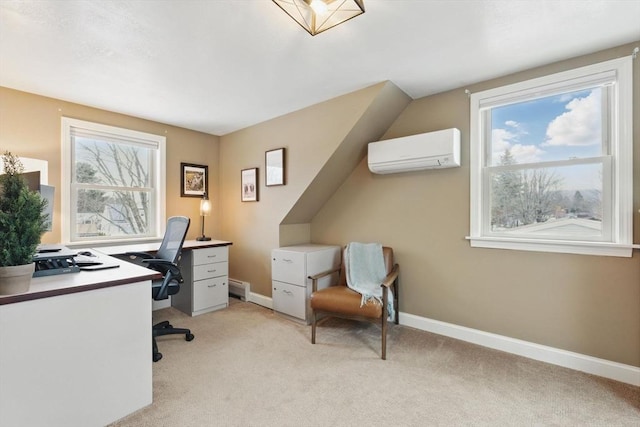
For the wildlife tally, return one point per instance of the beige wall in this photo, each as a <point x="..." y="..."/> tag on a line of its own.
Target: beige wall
<point x="311" y="138"/>
<point x="30" y="127"/>
<point x="585" y="304"/>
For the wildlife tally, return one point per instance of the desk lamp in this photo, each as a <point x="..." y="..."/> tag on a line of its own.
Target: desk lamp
<point x="205" y="210"/>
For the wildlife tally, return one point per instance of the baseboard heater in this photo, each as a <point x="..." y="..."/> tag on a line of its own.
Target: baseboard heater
<point x="239" y="289"/>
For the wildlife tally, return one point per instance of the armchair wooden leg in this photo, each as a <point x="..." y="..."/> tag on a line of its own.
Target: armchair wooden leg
<point x="385" y="314"/>
<point x="384" y="335"/>
<point x="313" y="328"/>
<point x="396" y="303"/>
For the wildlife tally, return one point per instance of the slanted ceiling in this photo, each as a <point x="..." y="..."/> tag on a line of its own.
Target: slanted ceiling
<point x="377" y="117"/>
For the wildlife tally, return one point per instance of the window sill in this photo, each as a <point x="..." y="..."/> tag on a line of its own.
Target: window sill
<point x="112" y="242"/>
<point x="559" y="246"/>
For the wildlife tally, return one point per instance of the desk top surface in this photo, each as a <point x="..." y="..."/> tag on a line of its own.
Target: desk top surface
<point x="150" y="247"/>
<point x="61" y="284"/>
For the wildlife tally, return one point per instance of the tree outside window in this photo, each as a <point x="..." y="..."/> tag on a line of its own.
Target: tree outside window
<point x="114" y="190"/>
<point x="551" y="163"/>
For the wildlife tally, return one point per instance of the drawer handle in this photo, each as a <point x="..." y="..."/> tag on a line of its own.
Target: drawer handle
<point x="287" y="260"/>
<point x="212" y="271"/>
<point x="211" y="256"/>
<point x="287" y="292"/>
<point x="211" y="286"/>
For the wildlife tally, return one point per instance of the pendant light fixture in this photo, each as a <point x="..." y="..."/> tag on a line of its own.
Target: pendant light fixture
<point x="317" y="16"/>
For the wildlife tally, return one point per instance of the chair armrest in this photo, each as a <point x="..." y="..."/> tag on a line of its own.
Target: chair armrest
<point x="164" y="266"/>
<point x="318" y="276"/>
<point x="142" y="255"/>
<point x="391" y="277"/>
<point x="158" y="261"/>
<point x="161" y="262"/>
<point x="170" y="276"/>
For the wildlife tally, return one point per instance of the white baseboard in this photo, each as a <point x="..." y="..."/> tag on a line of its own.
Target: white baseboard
<point x="580" y="362"/>
<point x="261" y="300"/>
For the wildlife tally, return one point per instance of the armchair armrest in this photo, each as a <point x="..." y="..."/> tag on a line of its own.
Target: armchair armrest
<point x="316" y="277"/>
<point x="391" y="277"/>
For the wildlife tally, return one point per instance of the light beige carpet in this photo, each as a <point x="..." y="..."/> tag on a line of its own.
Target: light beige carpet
<point x="250" y="367"/>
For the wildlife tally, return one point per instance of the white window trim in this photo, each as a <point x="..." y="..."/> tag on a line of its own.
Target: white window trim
<point x="621" y="149"/>
<point x="67" y="160"/>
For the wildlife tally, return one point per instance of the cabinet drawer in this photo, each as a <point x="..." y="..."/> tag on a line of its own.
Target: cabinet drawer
<point x="206" y="271"/>
<point x="209" y="293"/>
<point x="289" y="299"/>
<point x="288" y="267"/>
<point x="209" y="255"/>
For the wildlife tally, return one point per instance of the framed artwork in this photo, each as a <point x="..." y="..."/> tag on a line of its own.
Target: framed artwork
<point x="194" y="180"/>
<point x="249" y="185"/>
<point x="274" y="167"/>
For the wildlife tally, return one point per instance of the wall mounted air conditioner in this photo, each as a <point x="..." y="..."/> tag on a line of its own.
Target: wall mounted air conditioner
<point x="440" y="149"/>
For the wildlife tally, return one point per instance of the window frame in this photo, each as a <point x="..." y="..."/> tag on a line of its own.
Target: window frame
<point x="620" y="191"/>
<point x="157" y="181"/>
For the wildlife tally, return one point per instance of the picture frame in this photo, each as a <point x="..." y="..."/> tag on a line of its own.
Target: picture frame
<point x="194" y="180"/>
<point x="274" y="172"/>
<point x="249" y="185"/>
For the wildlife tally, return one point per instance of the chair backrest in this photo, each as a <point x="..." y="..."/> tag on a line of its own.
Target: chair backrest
<point x="387" y="253"/>
<point x="174" y="235"/>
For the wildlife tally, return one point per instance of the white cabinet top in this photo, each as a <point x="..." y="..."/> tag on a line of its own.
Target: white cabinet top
<point x="306" y="248"/>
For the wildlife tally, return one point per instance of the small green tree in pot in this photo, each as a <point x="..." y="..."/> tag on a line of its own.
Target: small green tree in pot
<point x="22" y="223"/>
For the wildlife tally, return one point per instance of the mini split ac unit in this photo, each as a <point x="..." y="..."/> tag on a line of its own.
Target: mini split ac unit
<point x="430" y="150"/>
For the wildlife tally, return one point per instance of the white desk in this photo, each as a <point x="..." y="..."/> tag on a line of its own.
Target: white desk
<point x="205" y="270"/>
<point x="152" y="247"/>
<point x="75" y="350"/>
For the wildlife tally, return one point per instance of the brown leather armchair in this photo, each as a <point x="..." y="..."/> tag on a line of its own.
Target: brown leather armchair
<point x="341" y="301"/>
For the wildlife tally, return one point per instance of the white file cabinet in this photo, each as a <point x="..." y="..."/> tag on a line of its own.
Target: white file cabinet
<point x="206" y="281"/>
<point x="290" y="268"/>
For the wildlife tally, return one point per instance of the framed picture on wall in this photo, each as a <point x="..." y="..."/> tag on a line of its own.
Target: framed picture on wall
<point x="274" y="167"/>
<point x="249" y="185"/>
<point x="194" y="180"/>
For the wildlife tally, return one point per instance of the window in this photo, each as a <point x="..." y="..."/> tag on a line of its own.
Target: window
<point x="551" y="163"/>
<point x="113" y="183"/>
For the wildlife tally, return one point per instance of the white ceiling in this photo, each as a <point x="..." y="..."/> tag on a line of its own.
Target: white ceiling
<point x="221" y="65"/>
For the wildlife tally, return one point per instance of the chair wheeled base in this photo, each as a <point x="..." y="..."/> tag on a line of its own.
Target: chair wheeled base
<point x="165" y="328"/>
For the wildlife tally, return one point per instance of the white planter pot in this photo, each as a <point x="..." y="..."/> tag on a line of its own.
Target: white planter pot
<point x="16" y="279"/>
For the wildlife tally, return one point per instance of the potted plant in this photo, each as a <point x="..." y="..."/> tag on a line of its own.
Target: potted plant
<point x="22" y="223"/>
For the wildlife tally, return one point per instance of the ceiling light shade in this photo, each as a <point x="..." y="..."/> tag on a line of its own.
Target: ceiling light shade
<point x="317" y="16"/>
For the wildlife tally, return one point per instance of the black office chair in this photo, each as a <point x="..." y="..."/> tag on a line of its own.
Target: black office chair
<point x="166" y="262"/>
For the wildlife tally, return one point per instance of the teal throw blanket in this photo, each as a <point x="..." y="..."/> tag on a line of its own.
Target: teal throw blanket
<point x="365" y="271"/>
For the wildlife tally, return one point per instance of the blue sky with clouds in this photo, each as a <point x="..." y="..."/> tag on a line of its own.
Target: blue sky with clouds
<point x="558" y="127"/>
